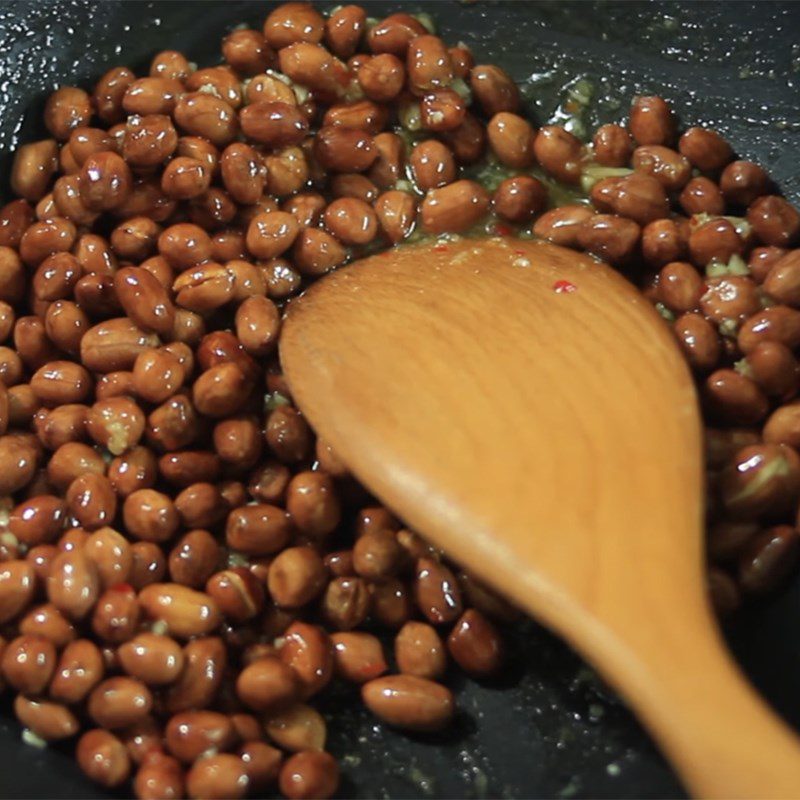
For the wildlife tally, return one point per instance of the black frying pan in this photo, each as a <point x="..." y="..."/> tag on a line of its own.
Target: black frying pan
<point x="549" y="729"/>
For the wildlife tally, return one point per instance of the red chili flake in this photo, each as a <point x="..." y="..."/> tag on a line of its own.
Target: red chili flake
<point x="125" y="588"/>
<point x="440" y="248"/>
<point x="343" y="76"/>
<point x="696" y="220"/>
<point x="705" y="287"/>
<point x="502" y="230"/>
<point x="559" y="287"/>
<point x="519" y="252"/>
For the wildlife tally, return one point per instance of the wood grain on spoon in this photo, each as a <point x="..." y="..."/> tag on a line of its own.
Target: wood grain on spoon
<point x="525" y="408"/>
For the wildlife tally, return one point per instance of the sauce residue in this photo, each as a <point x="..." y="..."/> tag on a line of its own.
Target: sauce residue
<point x="563" y="286"/>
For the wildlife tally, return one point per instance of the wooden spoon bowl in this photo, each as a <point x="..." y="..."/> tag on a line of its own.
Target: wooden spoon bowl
<point x="525" y="408"/>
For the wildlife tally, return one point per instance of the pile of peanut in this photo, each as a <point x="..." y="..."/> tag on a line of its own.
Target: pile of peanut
<point x="183" y="564"/>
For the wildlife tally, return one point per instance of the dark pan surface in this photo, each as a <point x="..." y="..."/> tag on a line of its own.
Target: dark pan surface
<point x="550" y="729"/>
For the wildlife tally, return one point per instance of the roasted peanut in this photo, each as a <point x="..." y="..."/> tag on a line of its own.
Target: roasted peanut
<point x="103" y="758"/>
<point x="187" y="613"/>
<point x="409" y="702"/>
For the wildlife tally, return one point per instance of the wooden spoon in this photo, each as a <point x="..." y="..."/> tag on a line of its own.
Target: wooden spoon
<point x="526" y="409"/>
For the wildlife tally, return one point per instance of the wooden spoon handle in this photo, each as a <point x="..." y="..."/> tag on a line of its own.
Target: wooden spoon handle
<point x="718" y="733"/>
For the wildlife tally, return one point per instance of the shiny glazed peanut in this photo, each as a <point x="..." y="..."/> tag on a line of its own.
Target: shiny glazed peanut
<point x="74" y="584"/>
<point x="455" y="207"/>
<point x="475" y="645"/>
<point x="48" y="622"/>
<point x="217" y="777"/>
<point x="17" y="586"/>
<point x="145" y="300"/>
<point x="358" y="657"/>
<point x="159" y="776"/>
<point x="420" y="651"/>
<point x="409" y="702"/>
<point x="309" y="774"/>
<point x="297" y="729"/>
<point x="103" y="758"/>
<point x="27" y="663"/>
<point x="37" y="520"/>
<point x="154" y="660"/>
<point x="267" y="685"/>
<point x="307" y="649"/>
<point x="79" y="669"/>
<point x="119" y="702"/>
<point x="191" y="733"/>
<point x="199" y="683"/>
<point x="49" y="721"/>
<point x="187" y="613"/>
<point x="114" y="345"/>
